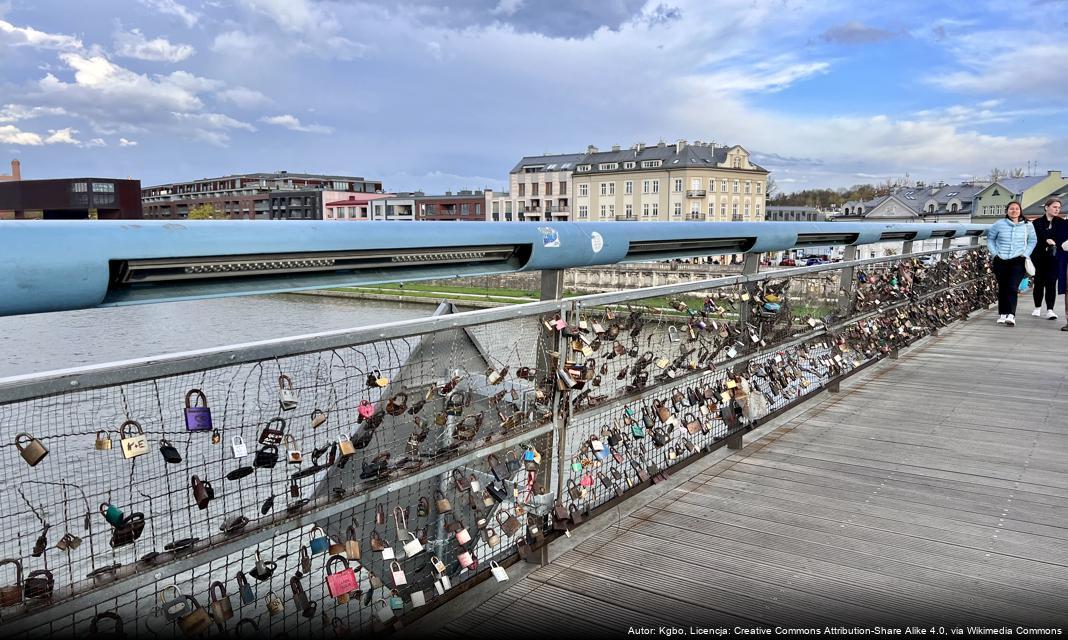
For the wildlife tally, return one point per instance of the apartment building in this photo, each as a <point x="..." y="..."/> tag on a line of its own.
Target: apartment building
<point x="539" y="189"/>
<point x="682" y="181"/>
<point x="249" y="196"/>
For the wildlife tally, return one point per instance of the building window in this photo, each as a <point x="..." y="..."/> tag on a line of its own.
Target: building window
<point x="748" y="186"/>
<point x="645" y="210"/>
<point x="628" y="187"/>
<point x="608" y="166"/>
<point x="103" y="187"/>
<point x="79" y="187"/>
<point x="723" y="185"/>
<point x="628" y="165"/>
<point x="711" y="208"/>
<point x="629" y="210"/>
<point x="737" y="162"/>
<point x="548" y="188"/>
<point x="711" y="185"/>
<point x="534" y="189"/>
<point x="656" y="186"/>
<point x="760" y="188"/>
<point x="747" y="210"/>
<point x="649" y="164"/>
<point x="563" y="188"/>
<point x="604" y="210"/>
<point x="508" y="207"/>
<point x="522" y="189"/>
<point x="604" y="188"/>
<point x="695" y="209"/>
<point x="584" y="211"/>
<point x="734" y="209"/>
<point x="583" y="167"/>
<point x="522" y="205"/>
<point x="611" y="210"/>
<point x="584" y="190"/>
<point x="678" y="209"/>
<point x="735" y="185"/>
<point x="695" y="184"/>
<point x="678" y="185"/>
<point x="464" y="209"/>
<point x="654" y="209"/>
<point x="723" y="208"/>
<point x="646" y="186"/>
<point x="496" y="207"/>
<point x="810" y="216"/>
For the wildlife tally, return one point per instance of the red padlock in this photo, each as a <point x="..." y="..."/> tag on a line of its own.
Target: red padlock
<point x="340" y="582"/>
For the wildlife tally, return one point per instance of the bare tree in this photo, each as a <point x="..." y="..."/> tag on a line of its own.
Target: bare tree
<point x="1017" y="173"/>
<point x="997" y="174"/>
<point x="771" y="188"/>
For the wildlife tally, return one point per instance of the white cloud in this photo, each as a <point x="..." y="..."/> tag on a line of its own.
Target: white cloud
<point x="96" y="142"/>
<point x="772" y="74"/>
<point x="292" y="122"/>
<point x="16" y="112"/>
<point x="243" y="97"/>
<point x="102" y="86"/>
<point x="123" y="142"/>
<point x="213" y="121"/>
<point x="312" y="27"/>
<point x="62" y="136"/>
<point x="1010" y="63"/>
<point x="10" y="134"/>
<point x="133" y="44"/>
<point x="30" y="37"/>
<point x="170" y="7"/>
<point x="235" y="43"/>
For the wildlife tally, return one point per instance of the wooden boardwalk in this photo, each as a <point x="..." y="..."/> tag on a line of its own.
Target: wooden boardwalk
<point x="931" y="491"/>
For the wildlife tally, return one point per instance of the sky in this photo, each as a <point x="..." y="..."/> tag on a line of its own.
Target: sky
<point x="448" y="95"/>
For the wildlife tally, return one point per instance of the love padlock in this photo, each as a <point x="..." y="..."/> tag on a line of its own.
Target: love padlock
<point x="133" y="443"/>
<point x="340" y="581"/>
<point x="30" y="448"/>
<point x="221" y="608"/>
<point x="287" y="396"/>
<point x="197" y="413"/>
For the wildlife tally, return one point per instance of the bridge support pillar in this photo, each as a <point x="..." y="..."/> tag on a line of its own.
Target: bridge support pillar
<point x="834" y="387"/>
<point x="552" y="284"/>
<point x="895" y="354"/>
<point x="847" y="282"/>
<point x="906" y="248"/>
<point x="735" y="441"/>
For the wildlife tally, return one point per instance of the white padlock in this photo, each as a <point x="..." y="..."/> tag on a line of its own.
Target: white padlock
<point x="498" y="571"/>
<point x="399" y="579"/>
<point x="413" y="546"/>
<point x="418" y="599"/>
<point x="237" y="443"/>
<point x="384" y="613"/>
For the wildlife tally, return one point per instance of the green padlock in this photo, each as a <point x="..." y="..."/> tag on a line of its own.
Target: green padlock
<point x="112" y="514"/>
<point x="396" y="602"/>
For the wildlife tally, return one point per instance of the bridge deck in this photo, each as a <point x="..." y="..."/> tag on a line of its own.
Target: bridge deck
<point x="931" y="490"/>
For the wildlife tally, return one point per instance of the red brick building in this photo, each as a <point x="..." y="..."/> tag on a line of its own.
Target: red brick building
<point x="464" y="205"/>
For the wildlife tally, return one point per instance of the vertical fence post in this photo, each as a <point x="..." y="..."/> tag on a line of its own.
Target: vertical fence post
<point x="906" y="248"/>
<point x="751" y="266"/>
<point x="552" y="288"/>
<point x="847" y="281"/>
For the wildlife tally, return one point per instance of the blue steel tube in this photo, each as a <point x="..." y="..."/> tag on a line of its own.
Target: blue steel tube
<point x="66" y="265"/>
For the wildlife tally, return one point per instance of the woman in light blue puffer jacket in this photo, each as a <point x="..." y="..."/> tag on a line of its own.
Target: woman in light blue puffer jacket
<point x="1009" y="240"/>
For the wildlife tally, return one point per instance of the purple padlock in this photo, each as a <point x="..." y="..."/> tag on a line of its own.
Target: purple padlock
<point x="197" y="415"/>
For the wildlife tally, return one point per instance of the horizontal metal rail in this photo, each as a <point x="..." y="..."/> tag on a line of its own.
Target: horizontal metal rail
<point x="35" y="385"/>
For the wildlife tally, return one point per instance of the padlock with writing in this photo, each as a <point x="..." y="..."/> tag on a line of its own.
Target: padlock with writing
<point x="221" y="608"/>
<point x="175" y="604"/>
<point x="318" y="418"/>
<point x="274" y="603"/>
<point x="197" y="413"/>
<point x="237" y="444"/>
<point x="31" y="449"/>
<point x="293" y="453"/>
<point x="340" y="578"/>
<point x="132" y="439"/>
<point x="498" y="571"/>
<point x="287" y="396"/>
<point x="273" y="432"/>
<point x="103" y="441"/>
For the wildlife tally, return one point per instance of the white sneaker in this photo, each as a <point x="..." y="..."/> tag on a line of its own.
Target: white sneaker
<point x="1001" y="319"/>
<point x="1038" y="311"/>
<point x="1010" y="320"/>
<point x="1051" y="315"/>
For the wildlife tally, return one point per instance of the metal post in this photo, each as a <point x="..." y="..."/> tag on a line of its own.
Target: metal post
<point x="552" y="284"/>
<point x="947" y="243"/>
<point x="750" y="266"/>
<point x="847" y="282"/>
<point x="906" y="248"/>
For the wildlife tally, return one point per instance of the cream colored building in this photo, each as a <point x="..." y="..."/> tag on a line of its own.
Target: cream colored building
<point x="681" y="181"/>
<point x="539" y="188"/>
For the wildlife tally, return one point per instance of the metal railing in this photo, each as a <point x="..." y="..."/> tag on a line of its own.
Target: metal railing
<point x="552" y="409"/>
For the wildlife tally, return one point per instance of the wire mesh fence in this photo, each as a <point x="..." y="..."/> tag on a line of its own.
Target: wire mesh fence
<point x="340" y="489"/>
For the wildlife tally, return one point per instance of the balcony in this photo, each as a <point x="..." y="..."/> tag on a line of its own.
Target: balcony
<point x="695" y="193"/>
<point x="622" y="217"/>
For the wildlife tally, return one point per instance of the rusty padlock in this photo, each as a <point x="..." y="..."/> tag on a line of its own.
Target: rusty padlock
<point x="31" y="449"/>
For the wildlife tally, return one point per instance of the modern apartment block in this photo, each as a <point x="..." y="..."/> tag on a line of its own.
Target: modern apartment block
<point x="463" y="205"/>
<point x="785" y="213"/>
<point x="681" y="181"/>
<point x="539" y="189"/>
<point x="249" y="196"/>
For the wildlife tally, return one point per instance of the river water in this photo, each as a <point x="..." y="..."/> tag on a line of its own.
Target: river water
<point x="48" y="341"/>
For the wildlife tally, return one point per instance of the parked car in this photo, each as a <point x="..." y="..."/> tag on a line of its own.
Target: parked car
<point x="787" y="262"/>
<point x="813" y="261"/>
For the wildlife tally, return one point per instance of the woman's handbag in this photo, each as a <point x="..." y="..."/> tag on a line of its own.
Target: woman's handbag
<point x="1029" y="266"/>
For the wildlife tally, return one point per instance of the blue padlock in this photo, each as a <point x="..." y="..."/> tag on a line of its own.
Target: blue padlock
<point x="248" y="596"/>
<point x="320" y="543"/>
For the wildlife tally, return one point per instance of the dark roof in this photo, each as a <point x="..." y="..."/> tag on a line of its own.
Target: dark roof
<point x="570" y="159"/>
<point x="277" y="175"/>
<point x="691" y="156"/>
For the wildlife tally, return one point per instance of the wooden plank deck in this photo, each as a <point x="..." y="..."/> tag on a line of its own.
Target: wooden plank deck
<point x="931" y="491"/>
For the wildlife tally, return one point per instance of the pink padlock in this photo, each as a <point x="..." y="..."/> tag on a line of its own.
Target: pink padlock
<point x="366" y="409"/>
<point x="467" y="559"/>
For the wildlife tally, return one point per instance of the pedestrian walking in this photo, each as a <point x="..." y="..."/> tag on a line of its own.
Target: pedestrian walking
<point x="1010" y="241"/>
<point x="1048" y="271"/>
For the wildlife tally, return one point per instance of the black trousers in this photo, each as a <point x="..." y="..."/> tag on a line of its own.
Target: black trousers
<point x="1008" y="274"/>
<point x="1045" y="280"/>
